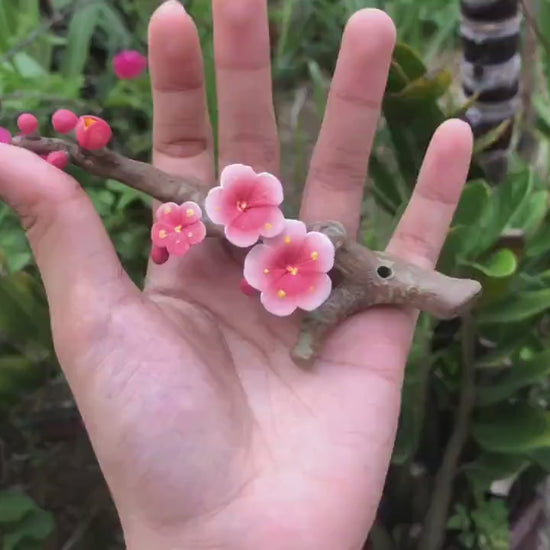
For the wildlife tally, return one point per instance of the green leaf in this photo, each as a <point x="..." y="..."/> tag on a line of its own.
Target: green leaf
<point x="473" y="202"/>
<point x="532" y="212"/>
<point x="14" y="506"/>
<point x="540" y="243"/>
<point x="81" y="29"/>
<point x="24" y="318"/>
<point x="518" y="307"/>
<point x="506" y="199"/>
<point x="319" y="87"/>
<point x="513" y="429"/>
<point x="491" y="137"/>
<point x="431" y="85"/>
<point x="490" y="467"/>
<point x="503" y="263"/>
<point x="522" y="374"/>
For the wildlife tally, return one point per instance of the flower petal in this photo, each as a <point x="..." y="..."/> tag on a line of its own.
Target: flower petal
<point x="317" y="294"/>
<point x="236" y="173"/>
<point x="255" y="265"/>
<point x="160" y="233"/>
<point x="177" y="244"/>
<point x="195" y="233"/>
<point x="191" y="213"/>
<point x="268" y="190"/>
<point x="240" y="237"/>
<point x="274" y="223"/>
<point x="318" y="252"/>
<point x="294" y="230"/>
<point x="214" y="205"/>
<point x="169" y="213"/>
<point x="281" y="307"/>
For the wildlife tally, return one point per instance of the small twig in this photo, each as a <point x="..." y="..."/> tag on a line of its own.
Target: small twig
<point x="81" y="529"/>
<point x="433" y="535"/>
<point x="531" y="21"/>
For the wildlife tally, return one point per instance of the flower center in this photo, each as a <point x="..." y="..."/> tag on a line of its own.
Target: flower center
<point x="242" y="206"/>
<point x="292" y="270"/>
<point x="178" y="229"/>
<point x="88" y="121"/>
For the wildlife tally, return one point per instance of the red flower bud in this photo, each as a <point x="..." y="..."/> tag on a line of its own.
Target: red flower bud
<point x="92" y="132"/>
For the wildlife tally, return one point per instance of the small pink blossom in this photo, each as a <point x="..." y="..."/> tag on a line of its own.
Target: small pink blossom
<point x="59" y="159"/>
<point x="5" y="135"/>
<point x="129" y="64"/>
<point x="291" y="269"/>
<point x="92" y="132"/>
<point x="247" y="204"/>
<point x="27" y="123"/>
<point x="64" y="121"/>
<point x="178" y="227"/>
<point x="159" y="255"/>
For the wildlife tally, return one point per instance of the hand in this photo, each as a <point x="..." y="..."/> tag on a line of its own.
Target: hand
<point x="208" y="435"/>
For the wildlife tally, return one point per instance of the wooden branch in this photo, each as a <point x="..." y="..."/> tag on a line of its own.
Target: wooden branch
<point x="362" y="278"/>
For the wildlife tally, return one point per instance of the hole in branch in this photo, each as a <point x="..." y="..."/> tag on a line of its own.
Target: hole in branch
<point x="384" y="272"/>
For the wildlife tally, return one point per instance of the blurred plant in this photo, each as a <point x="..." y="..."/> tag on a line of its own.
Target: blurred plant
<point x="23" y="525"/>
<point x="476" y="393"/>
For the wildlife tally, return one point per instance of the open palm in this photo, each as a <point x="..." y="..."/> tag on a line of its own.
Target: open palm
<point x="208" y="435"/>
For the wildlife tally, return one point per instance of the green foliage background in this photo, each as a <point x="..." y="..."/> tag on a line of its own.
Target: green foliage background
<point x="486" y="379"/>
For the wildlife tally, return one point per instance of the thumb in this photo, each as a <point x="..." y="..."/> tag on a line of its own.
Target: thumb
<point x="80" y="269"/>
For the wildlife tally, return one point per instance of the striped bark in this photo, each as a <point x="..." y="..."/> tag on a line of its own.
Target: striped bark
<point x="491" y="69"/>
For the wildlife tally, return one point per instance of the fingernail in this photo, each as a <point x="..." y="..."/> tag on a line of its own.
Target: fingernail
<point x="172" y="4"/>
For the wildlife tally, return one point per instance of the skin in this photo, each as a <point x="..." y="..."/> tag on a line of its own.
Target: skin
<point x="208" y="435"/>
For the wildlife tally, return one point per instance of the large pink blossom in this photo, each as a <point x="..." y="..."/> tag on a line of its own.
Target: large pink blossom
<point x="247" y="204"/>
<point x="178" y="227"/>
<point x="291" y="269"/>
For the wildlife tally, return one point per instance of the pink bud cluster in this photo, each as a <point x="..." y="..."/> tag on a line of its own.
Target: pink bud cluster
<point x="289" y="269"/>
<point x="91" y="132"/>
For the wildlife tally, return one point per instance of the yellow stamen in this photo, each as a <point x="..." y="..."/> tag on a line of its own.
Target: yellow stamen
<point x="288" y="240"/>
<point x="88" y="121"/>
<point x="168" y="209"/>
<point x="315" y="256"/>
<point x="266" y="271"/>
<point x="163" y="234"/>
<point x="190" y="213"/>
<point x="269" y="226"/>
<point x="178" y="229"/>
<point x="292" y="270"/>
<point x="281" y="294"/>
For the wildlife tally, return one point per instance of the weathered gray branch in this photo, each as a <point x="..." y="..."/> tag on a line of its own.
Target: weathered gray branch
<point x="362" y="278"/>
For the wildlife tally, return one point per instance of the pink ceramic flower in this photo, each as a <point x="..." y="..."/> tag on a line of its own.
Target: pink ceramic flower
<point x="291" y="269"/>
<point x="129" y="64"/>
<point x="92" y="132"/>
<point x="247" y="204"/>
<point x="5" y="135"/>
<point x="178" y="227"/>
<point x="27" y="123"/>
<point x="64" y="121"/>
